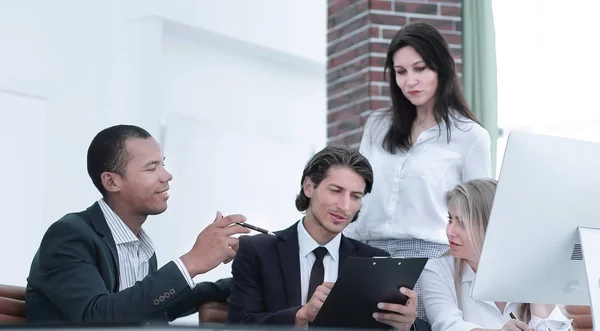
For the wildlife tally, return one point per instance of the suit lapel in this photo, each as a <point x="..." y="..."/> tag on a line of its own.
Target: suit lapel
<point x="153" y="263"/>
<point x="101" y="227"/>
<point x="290" y="264"/>
<point x="347" y="249"/>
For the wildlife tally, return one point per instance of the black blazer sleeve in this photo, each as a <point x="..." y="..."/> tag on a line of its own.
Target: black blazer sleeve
<point x="69" y="277"/>
<point x="203" y="292"/>
<point x="245" y="302"/>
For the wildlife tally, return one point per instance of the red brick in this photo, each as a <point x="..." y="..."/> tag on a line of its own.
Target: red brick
<point x="379" y="104"/>
<point x="357" y="80"/>
<point x="374" y="32"/>
<point x="346" y="13"/>
<point x="377" y="61"/>
<point x="450" y="11"/>
<point x="416" y="8"/>
<point x="458" y="68"/>
<point x="381" y="5"/>
<point x="379" y="47"/>
<point x="373" y="90"/>
<point x="458" y="26"/>
<point x="347" y="69"/>
<point x="342" y="43"/>
<point x="345" y="99"/>
<point x="364" y="117"/>
<point x="333" y="131"/>
<point x="340" y="59"/>
<point x="335" y="6"/>
<point x="389" y="33"/>
<point x="455" y="39"/>
<point x="345" y="88"/>
<point x="456" y="52"/>
<point x="388" y="19"/>
<point x="347" y="56"/>
<point x="458" y="2"/>
<point x="338" y="32"/>
<point x="346" y="125"/>
<point x="346" y="140"/>
<point x="384" y="91"/>
<point x="352" y="139"/>
<point x="347" y="112"/>
<point x="442" y="25"/>
<point x="376" y="76"/>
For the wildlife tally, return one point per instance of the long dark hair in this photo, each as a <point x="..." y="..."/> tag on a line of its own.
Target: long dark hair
<point x="433" y="48"/>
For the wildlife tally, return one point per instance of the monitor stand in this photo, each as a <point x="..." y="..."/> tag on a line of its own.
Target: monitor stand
<point x="590" y="246"/>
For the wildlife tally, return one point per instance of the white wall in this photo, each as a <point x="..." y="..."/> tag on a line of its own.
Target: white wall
<point x="239" y="86"/>
<point x="266" y="127"/>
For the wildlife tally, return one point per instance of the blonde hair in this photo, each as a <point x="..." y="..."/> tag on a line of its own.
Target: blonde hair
<point x="473" y="201"/>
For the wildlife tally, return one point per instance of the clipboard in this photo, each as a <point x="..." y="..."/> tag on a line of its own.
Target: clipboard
<point x="364" y="282"/>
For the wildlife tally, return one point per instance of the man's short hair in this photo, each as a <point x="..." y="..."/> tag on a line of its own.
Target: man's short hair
<point x="331" y="156"/>
<point x="108" y="152"/>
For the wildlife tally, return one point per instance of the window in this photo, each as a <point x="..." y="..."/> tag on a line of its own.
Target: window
<point x="548" y="68"/>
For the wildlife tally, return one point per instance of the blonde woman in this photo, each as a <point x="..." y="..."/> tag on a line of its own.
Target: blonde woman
<point x="446" y="281"/>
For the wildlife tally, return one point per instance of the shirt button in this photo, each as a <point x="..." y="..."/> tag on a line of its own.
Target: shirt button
<point x="172" y="291"/>
<point x="161" y="298"/>
<point x="156" y="302"/>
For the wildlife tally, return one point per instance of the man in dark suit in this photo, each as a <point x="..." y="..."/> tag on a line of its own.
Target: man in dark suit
<point x="284" y="279"/>
<point x="98" y="266"/>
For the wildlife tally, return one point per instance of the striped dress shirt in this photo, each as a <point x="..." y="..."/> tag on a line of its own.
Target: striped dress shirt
<point x="134" y="251"/>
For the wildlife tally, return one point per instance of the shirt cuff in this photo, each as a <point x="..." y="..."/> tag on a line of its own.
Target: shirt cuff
<point x="184" y="272"/>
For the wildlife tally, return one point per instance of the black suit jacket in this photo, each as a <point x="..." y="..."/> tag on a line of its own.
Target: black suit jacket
<point x="74" y="278"/>
<point x="266" y="277"/>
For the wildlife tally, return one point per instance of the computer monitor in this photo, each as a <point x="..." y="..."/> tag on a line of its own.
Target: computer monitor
<point x="548" y="195"/>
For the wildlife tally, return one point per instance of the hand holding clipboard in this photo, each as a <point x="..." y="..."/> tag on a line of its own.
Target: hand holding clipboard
<point x="362" y="284"/>
<point x="309" y="311"/>
<point x="398" y="316"/>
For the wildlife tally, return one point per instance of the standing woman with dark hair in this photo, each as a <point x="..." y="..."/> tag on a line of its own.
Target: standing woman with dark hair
<point x="424" y="145"/>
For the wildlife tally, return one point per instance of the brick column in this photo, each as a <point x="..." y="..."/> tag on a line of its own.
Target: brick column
<point x="358" y="34"/>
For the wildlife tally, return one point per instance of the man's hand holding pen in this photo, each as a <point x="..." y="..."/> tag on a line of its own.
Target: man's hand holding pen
<point x="256" y="228"/>
<point x="215" y="244"/>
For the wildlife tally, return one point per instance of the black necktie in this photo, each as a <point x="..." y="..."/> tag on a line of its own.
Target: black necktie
<point x="317" y="273"/>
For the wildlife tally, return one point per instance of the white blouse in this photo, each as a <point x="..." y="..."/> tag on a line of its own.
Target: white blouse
<point x="441" y="305"/>
<point x="407" y="200"/>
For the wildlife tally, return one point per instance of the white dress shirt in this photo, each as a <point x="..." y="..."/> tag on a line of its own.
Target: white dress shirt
<point x="441" y="304"/>
<point x="407" y="201"/>
<point x="331" y="261"/>
<point x="134" y="251"/>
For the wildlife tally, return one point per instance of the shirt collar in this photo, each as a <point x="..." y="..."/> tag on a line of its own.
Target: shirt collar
<point x="121" y="232"/>
<point x="307" y="244"/>
<point x="468" y="275"/>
